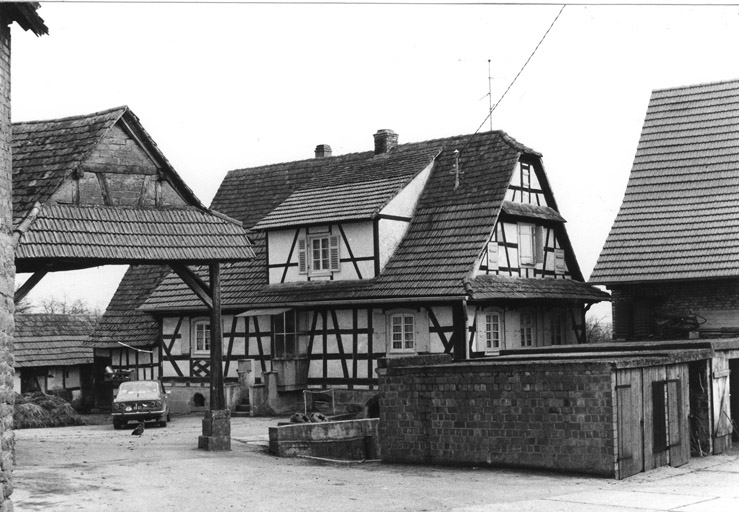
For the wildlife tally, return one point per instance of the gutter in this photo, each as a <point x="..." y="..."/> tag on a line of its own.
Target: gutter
<point x="26" y="223"/>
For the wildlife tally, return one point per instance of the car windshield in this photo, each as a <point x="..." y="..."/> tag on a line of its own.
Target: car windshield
<point x="127" y="388"/>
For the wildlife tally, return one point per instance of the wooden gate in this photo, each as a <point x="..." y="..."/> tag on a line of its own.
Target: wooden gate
<point x="721" y="412"/>
<point x="630" y="423"/>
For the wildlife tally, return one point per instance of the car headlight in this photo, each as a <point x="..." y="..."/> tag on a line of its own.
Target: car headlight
<point x="157" y="404"/>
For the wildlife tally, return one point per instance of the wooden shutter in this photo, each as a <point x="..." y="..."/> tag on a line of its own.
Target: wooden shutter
<point x="492" y="255"/>
<point x="526" y="244"/>
<point x="559" y="261"/>
<point x="334" y="253"/>
<point x="302" y="257"/>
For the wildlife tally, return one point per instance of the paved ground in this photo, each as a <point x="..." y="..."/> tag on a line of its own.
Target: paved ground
<point x="96" y="468"/>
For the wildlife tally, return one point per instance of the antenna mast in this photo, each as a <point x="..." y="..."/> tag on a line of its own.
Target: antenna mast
<point x="490" y="96"/>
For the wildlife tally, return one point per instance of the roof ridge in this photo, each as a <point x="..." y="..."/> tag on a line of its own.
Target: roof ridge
<point x="122" y="108"/>
<point x="695" y="86"/>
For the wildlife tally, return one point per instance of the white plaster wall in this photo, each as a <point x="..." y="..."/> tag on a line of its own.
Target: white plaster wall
<point x="391" y="233"/>
<point x="404" y="204"/>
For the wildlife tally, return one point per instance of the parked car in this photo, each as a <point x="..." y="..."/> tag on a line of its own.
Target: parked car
<point x="140" y="400"/>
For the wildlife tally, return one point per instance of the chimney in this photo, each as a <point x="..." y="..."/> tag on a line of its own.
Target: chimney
<point x="323" y="151"/>
<point x="385" y="140"/>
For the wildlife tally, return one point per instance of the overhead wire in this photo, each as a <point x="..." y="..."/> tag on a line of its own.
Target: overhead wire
<point x="492" y="109"/>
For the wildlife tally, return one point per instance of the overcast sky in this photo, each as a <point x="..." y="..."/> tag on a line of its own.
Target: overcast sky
<point x="228" y="86"/>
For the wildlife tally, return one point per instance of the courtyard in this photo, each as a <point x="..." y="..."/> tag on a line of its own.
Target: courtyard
<point x="93" y="468"/>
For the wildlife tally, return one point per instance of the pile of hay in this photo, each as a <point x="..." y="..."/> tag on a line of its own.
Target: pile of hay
<point x="38" y="410"/>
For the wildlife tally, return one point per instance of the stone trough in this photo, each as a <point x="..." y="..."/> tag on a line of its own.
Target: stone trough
<point x="350" y="440"/>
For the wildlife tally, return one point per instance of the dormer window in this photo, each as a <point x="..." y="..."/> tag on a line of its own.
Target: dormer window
<point x="319" y="254"/>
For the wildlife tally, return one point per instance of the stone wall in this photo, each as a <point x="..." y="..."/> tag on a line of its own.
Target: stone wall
<point x="540" y="415"/>
<point x="7" y="279"/>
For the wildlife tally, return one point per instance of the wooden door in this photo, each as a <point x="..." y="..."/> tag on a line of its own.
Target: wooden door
<point x="721" y="405"/>
<point x="678" y="408"/>
<point x="630" y="423"/>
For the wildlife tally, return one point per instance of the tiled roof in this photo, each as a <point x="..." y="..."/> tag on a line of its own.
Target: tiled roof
<point x="449" y="228"/>
<point x="680" y="216"/>
<point x="24" y="13"/>
<point x="361" y="198"/>
<point x="489" y="287"/>
<point x="52" y="340"/>
<point x="122" y="322"/>
<point x="108" y="235"/>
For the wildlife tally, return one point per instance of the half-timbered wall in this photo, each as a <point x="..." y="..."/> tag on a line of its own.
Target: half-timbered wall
<point x="357" y="255"/>
<point x="547" y="326"/>
<point x="525" y="186"/>
<point x="243" y="338"/>
<point x="119" y="172"/>
<point x="145" y="362"/>
<point x="503" y="254"/>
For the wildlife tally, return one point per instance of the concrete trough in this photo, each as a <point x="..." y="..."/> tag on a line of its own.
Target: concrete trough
<point x="339" y="440"/>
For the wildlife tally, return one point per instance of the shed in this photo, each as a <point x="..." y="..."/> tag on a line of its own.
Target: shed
<point x="51" y="354"/>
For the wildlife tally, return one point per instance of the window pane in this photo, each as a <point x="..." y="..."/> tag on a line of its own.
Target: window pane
<point x="290" y="321"/>
<point x="279" y="345"/>
<point x="289" y="345"/>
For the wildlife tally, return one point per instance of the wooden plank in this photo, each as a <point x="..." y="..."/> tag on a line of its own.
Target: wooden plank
<point x="721" y="403"/>
<point x="629" y="422"/>
<point x="678" y="407"/>
<point x="654" y="456"/>
<point x="26" y="287"/>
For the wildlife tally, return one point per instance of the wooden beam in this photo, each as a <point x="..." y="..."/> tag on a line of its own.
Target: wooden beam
<point x="217" y="396"/>
<point x="26" y="287"/>
<point x="196" y="284"/>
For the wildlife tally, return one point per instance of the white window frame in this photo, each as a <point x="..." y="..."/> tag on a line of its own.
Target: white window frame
<point x="196" y="326"/>
<point x="306" y="261"/>
<point x="486" y="338"/>
<point x="404" y="339"/>
<point x="285" y="337"/>
<point x="527" y="327"/>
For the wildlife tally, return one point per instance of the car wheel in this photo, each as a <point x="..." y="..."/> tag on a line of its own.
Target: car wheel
<point x="163" y="423"/>
<point x="117" y="425"/>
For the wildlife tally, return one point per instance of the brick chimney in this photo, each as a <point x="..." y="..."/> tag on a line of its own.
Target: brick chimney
<point x="385" y="140"/>
<point x="323" y="151"/>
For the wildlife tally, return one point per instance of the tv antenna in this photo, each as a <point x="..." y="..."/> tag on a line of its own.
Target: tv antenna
<point x="490" y="97"/>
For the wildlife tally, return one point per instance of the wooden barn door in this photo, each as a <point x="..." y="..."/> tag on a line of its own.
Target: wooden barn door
<point x="678" y="407"/>
<point x="721" y="410"/>
<point x="630" y="433"/>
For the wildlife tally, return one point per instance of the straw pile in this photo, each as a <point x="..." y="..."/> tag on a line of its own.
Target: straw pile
<point x="38" y="410"/>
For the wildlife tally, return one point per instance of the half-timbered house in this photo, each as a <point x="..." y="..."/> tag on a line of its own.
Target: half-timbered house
<point x="453" y="246"/>
<point x="671" y="259"/>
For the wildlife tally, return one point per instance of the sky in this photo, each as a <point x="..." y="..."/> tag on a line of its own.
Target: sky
<point x="222" y="86"/>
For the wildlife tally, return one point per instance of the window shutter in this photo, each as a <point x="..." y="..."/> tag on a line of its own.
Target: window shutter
<point x="493" y="255"/>
<point x="526" y="244"/>
<point x="334" y="252"/>
<point x="302" y="257"/>
<point x="559" y="261"/>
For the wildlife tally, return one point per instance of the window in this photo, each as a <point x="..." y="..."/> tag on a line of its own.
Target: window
<point x="528" y="329"/>
<point x="284" y="335"/>
<point x="402" y="332"/>
<point x="489" y="330"/>
<point x="526" y="177"/>
<point x="201" y="336"/>
<point x="557" y="323"/>
<point x="319" y="255"/>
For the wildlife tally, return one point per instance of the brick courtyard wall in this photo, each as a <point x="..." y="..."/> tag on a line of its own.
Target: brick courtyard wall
<point x="7" y="279"/>
<point x="556" y="416"/>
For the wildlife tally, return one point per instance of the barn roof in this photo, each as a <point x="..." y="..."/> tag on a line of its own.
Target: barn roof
<point x="24" y="13"/>
<point x="52" y="340"/>
<point x="679" y="218"/>
<point x="122" y="322"/>
<point x="64" y="236"/>
<point x="450" y="226"/>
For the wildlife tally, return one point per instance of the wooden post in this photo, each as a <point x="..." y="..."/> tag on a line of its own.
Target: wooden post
<point x="217" y="399"/>
<point x="217" y="422"/>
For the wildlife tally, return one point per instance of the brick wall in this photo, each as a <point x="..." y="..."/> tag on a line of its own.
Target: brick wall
<point x="551" y="415"/>
<point x="7" y="279"/>
<point x="635" y="307"/>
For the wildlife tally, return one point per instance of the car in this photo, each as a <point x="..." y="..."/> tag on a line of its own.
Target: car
<point x="140" y="400"/>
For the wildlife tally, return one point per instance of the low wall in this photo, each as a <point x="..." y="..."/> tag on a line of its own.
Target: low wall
<point x="343" y="440"/>
<point x="195" y="397"/>
<point x="552" y="415"/>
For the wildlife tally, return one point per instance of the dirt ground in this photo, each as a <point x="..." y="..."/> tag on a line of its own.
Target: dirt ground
<point x="96" y="468"/>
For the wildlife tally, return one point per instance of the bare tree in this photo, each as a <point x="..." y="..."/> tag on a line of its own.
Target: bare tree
<point x="598" y="331"/>
<point x="66" y="306"/>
